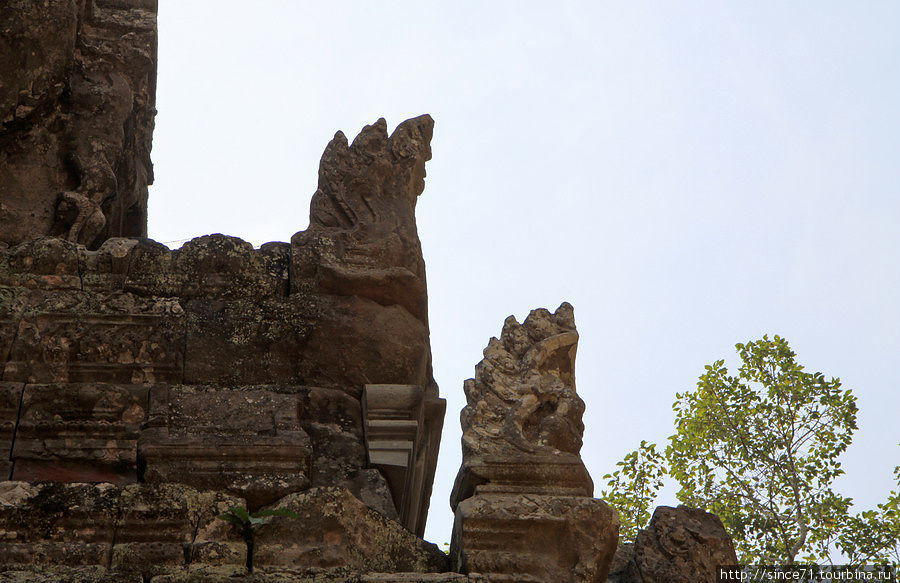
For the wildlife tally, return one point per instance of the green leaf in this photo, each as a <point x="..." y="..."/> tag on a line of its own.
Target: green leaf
<point x="240" y="512"/>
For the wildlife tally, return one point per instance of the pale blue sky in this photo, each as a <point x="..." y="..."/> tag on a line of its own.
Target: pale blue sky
<point x="688" y="174"/>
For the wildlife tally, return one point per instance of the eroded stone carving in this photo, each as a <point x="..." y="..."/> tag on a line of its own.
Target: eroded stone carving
<point x="76" y="118"/>
<point x="522" y="423"/>
<point x="522" y="499"/>
<point x="79" y="432"/>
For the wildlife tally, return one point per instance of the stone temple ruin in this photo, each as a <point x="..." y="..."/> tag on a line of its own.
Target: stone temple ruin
<point x="144" y="391"/>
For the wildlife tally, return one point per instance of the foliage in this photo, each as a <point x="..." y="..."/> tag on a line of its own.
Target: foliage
<point x="246" y="523"/>
<point x="632" y="488"/>
<point x="760" y="450"/>
<point x="873" y="536"/>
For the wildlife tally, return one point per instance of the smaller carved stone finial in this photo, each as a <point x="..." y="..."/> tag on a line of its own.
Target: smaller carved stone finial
<point x="522" y="399"/>
<point x="522" y="498"/>
<point x="522" y="423"/>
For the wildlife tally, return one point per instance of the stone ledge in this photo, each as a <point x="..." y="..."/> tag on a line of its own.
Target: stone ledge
<point x="223" y="575"/>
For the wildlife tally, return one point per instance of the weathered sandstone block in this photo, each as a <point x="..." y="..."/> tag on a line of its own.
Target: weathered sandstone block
<point x="43" y="263"/>
<point x="60" y="574"/>
<point x="248" y="442"/>
<point x="138" y="529"/>
<point x="540" y="538"/>
<point x="105" y="269"/>
<point x="235" y="342"/>
<point x="83" y="432"/>
<point x="335" y="529"/>
<point x="680" y="545"/>
<point x="63" y="524"/>
<point x="172" y="525"/>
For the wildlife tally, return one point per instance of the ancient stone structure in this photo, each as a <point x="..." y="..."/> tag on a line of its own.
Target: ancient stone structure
<point x="523" y="499"/>
<point x="229" y="368"/>
<point x="680" y="545"/>
<point x="77" y="94"/>
<point x="239" y="373"/>
<point x="144" y="391"/>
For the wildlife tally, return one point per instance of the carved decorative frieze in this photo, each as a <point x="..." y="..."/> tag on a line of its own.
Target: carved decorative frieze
<point x="80" y="337"/>
<point x="84" y="432"/>
<point x="247" y="442"/>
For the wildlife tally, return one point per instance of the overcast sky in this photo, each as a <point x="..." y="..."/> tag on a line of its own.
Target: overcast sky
<point x="688" y="175"/>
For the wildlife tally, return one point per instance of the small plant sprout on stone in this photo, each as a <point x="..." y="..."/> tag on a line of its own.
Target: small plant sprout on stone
<point x="246" y="523"/>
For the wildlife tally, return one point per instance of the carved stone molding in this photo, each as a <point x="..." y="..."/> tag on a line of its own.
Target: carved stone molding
<point x="248" y="443"/>
<point x="403" y="429"/>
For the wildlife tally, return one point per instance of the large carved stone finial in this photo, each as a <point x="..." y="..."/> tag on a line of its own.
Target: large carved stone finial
<point x="523" y="499"/>
<point x="362" y="237"/>
<point x="360" y="262"/>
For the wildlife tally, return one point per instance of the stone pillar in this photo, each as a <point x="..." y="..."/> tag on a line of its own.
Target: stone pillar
<point x="76" y="118"/>
<point x="523" y="501"/>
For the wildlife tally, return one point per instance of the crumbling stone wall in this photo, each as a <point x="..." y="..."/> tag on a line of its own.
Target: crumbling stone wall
<point x="241" y="374"/>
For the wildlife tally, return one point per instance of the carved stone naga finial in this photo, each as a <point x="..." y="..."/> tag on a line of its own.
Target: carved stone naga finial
<point x="522" y="422"/>
<point x="522" y="399"/>
<point x="362" y="238"/>
<point x="522" y="500"/>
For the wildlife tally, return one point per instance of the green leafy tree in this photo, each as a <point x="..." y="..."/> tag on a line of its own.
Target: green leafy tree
<point x="632" y="488"/>
<point x="760" y="449"/>
<point x="246" y="524"/>
<point x="873" y="536"/>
